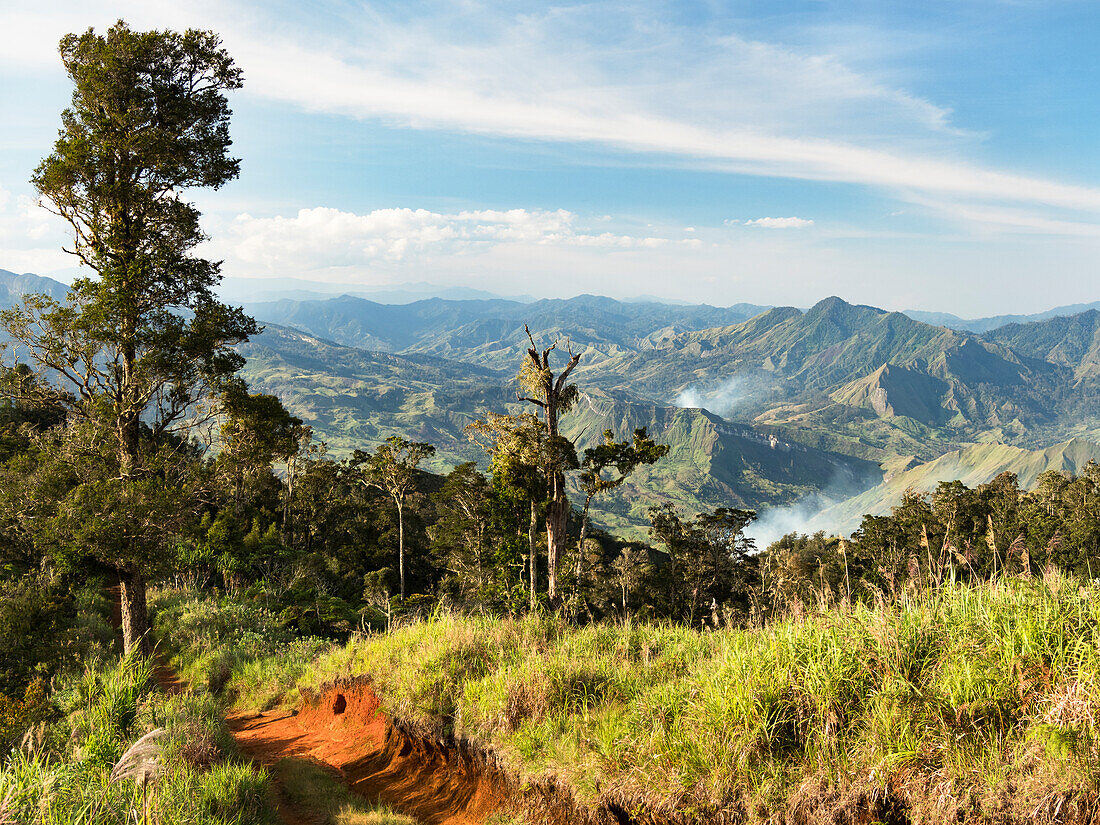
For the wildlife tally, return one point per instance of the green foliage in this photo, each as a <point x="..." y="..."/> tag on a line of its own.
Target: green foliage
<point x="231" y="646"/>
<point x="139" y="348"/>
<point x="709" y="563"/>
<point x="976" y="688"/>
<point x="73" y="776"/>
<point x="470" y="540"/>
<point x="47" y="624"/>
<point x="18" y="717"/>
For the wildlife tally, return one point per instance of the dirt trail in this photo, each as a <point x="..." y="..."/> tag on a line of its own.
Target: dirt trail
<point x="345" y="730"/>
<point x="166" y="678"/>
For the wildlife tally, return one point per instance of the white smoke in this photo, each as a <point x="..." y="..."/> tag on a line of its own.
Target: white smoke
<point x="803" y="516"/>
<point x="811" y="512"/>
<point x="721" y="400"/>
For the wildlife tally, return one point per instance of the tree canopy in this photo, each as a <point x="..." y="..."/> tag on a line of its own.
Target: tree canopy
<point x="141" y="349"/>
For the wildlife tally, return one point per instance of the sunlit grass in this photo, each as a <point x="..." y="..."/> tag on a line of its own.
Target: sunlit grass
<point x="971" y="689"/>
<point x="310" y="788"/>
<point x="71" y="776"/>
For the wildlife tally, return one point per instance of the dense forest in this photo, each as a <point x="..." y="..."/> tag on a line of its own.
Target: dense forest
<point x="264" y="514"/>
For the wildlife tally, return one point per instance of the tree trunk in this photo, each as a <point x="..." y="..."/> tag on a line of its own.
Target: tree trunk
<point x="531" y="533"/>
<point x="290" y="468"/>
<point x="557" y="518"/>
<point x="401" y="545"/>
<point x="580" y="551"/>
<point x="135" y="615"/>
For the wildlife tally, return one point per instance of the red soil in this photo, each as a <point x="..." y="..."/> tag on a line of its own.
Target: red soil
<point x="166" y="678"/>
<point x="345" y="730"/>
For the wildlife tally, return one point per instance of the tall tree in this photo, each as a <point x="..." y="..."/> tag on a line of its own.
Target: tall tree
<point x="462" y="535"/>
<point x="707" y="557"/>
<point x="257" y="431"/>
<point x="555" y="396"/>
<point x="143" y="344"/>
<point x="620" y="457"/>
<point x="391" y="468"/>
<point x="520" y="463"/>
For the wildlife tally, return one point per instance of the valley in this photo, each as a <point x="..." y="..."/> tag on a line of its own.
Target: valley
<point x="762" y="408"/>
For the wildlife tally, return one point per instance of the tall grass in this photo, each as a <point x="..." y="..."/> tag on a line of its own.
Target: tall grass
<point x="191" y="775"/>
<point x="962" y="701"/>
<point x="972" y="689"/>
<point x="240" y="648"/>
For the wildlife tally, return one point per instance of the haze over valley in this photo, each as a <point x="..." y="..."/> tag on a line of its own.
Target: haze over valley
<point x="812" y="417"/>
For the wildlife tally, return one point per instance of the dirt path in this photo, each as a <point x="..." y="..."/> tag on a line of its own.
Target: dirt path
<point x="254" y="747"/>
<point x="268" y="738"/>
<point x="166" y="678"/>
<point x="346" y="732"/>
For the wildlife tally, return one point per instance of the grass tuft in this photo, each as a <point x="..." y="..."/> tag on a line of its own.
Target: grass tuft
<point x="310" y="787"/>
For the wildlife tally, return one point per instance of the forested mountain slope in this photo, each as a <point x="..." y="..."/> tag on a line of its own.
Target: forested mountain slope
<point x="355" y="398"/>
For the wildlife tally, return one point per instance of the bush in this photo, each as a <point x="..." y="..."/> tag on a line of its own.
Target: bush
<point x="233" y="646"/>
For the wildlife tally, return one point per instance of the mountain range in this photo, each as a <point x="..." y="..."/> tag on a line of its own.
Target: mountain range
<point x="992" y="322"/>
<point x="762" y="407"/>
<point x="13" y="287"/>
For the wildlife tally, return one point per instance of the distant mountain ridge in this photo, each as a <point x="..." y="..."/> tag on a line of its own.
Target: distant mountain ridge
<point x="861" y="380"/>
<point x="490" y="332"/>
<point x="992" y="322"/>
<point x="14" y="286"/>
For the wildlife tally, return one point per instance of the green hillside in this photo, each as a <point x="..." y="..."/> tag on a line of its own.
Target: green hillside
<point x="973" y="465"/>
<point x="355" y="398"/>
<point x="821" y="374"/>
<point x="1072" y="342"/>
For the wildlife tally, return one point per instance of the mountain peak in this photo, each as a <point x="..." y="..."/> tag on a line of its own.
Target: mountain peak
<point x="838" y="311"/>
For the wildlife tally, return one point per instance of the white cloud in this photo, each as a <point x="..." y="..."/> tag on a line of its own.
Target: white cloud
<point x="30" y="237"/>
<point x="780" y="223"/>
<point x="324" y="238"/>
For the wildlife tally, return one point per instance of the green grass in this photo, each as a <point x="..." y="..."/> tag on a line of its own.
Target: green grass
<point x="973" y="689"/>
<point x="969" y="702"/>
<point x="74" y="772"/>
<point x="309" y="787"/>
<point x="233" y="647"/>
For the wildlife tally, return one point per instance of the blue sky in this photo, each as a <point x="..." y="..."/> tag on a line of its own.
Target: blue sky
<point x="935" y="155"/>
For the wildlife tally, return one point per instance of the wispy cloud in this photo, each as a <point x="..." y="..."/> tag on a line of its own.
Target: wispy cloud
<point x="780" y="223"/>
<point x="1000" y="219"/>
<point x="342" y="84"/>
<point x="615" y="76"/>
